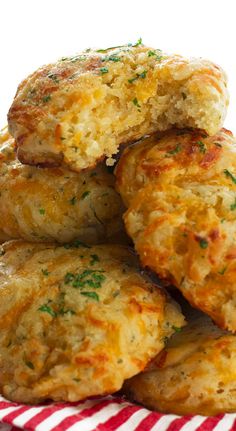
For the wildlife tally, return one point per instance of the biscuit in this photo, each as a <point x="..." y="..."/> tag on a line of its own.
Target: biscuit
<point x="80" y="109"/>
<point x="76" y="321"/>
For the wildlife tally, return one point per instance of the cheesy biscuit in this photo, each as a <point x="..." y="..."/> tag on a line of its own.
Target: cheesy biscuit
<point x="76" y="321"/>
<point x="181" y="196"/>
<point x="194" y="374"/>
<point x="80" y="109"/>
<point x="56" y="204"/>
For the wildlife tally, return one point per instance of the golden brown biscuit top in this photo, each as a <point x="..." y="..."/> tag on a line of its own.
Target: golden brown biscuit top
<point x="177" y="157"/>
<point x="76" y="320"/>
<point x="63" y="110"/>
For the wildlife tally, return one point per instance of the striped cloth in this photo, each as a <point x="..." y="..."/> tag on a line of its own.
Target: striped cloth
<point x="103" y="414"/>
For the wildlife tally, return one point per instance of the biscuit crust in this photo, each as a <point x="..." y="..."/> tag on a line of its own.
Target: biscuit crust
<point x="194" y="374"/>
<point x="181" y="196"/>
<point x="57" y="204"/>
<point x="80" y="109"/>
<point x="76" y="321"/>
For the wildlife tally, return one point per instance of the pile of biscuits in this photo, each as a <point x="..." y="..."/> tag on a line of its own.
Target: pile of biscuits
<point x="118" y="192"/>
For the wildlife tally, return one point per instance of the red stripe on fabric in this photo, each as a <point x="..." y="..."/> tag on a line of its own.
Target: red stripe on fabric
<point x="6" y="404"/>
<point x="233" y="428"/>
<point x="178" y="423"/>
<point x="11" y="416"/>
<point x="149" y="421"/>
<point x="210" y="423"/>
<point x="77" y="417"/>
<point x="118" y="419"/>
<point x="42" y="415"/>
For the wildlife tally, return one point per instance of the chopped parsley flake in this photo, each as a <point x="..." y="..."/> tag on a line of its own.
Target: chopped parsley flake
<point x="222" y="271"/>
<point x="202" y="147"/>
<point x="136" y="103"/>
<point x="89" y="277"/>
<point x="154" y="54"/>
<point x="176" y="150"/>
<point x="73" y="200"/>
<point x="29" y="365"/>
<point x="138" y="43"/>
<point x="203" y="243"/>
<point x="94" y="259"/>
<point x="176" y="328"/>
<point x="46" y="309"/>
<point x="103" y="70"/>
<point x="107" y="49"/>
<point x="45" y="272"/>
<point x="141" y="75"/>
<point x="74" y="58"/>
<point x="62" y="311"/>
<point x="46" y="99"/>
<point x="233" y="206"/>
<point x="85" y="194"/>
<point x="41" y="211"/>
<point x="217" y="144"/>
<point x="92" y="295"/>
<point x="76" y="244"/>
<point x="113" y="58"/>
<point x="184" y="96"/>
<point x="229" y="175"/>
<point x="53" y="77"/>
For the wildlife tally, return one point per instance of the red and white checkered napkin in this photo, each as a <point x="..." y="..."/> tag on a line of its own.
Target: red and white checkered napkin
<point x="103" y="414"/>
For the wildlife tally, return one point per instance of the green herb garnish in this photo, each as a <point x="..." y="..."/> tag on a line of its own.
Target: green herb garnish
<point x="176" y="150"/>
<point x="92" y="295"/>
<point x="53" y="77"/>
<point x="103" y="70"/>
<point x="141" y="75"/>
<point x="233" y="206"/>
<point x="85" y="194"/>
<point x="45" y="272"/>
<point x="229" y="175"/>
<point x="138" y="43"/>
<point x="202" y="147"/>
<point x="41" y="211"/>
<point x="154" y="54"/>
<point x="29" y="365"/>
<point x="46" y="99"/>
<point x="89" y="277"/>
<point x="62" y="311"/>
<point x="76" y="244"/>
<point x="203" y="243"/>
<point x="176" y="328"/>
<point x="136" y="103"/>
<point x="94" y="259"/>
<point x="73" y="200"/>
<point x="222" y="271"/>
<point x="113" y="58"/>
<point x="111" y="47"/>
<point x="46" y="309"/>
